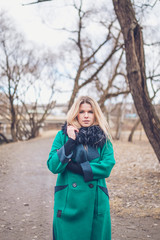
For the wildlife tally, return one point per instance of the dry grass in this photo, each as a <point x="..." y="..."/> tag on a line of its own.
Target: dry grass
<point x="134" y="184"/>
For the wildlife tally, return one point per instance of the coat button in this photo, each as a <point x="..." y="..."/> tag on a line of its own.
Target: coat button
<point x="91" y="185"/>
<point x="74" y="185"/>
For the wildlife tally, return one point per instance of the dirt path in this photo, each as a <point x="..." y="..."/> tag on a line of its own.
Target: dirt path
<point x="26" y="191"/>
<point x="27" y="186"/>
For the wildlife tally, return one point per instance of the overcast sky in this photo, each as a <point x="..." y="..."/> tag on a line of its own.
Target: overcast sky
<point x="28" y="20"/>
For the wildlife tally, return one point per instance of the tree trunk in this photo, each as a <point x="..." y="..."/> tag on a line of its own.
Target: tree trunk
<point x="133" y="130"/>
<point x="120" y="120"/>
<point x="13" y="122"/>
<point x="4" y="138"/>
<point x="118" y="123"/>
<point x="135" y="62"/>
<point x="74" y="94"/>
<point x="76" y="86"/>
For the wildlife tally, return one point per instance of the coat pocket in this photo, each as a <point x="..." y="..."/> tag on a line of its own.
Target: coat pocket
<point x="60" y="197"/>
<point x="103" y="200"/>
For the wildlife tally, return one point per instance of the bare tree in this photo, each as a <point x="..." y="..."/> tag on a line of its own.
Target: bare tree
<point x="21" y="68"/>
<point x="154" y="94"/>
<point x="113" y="89"/>
<point x="135" y="62"/>
<point x="133" y="130"/>
<point x="120" y="118"/>
<point x="89" y="64"/>
<point x="90" y="60"/>
<point x="152" y="61"/>
<point x="89" y="57"/>
<point x="32" y="120"/>
<point x="16" y="61"/>
<point x="33" y="115"/>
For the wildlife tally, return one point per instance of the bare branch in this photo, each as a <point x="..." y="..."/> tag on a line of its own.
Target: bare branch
<point x="114" y="50"/>
<point x="151" y="44"/>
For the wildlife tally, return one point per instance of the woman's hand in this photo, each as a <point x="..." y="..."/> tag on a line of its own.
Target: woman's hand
<point x="71" y="131"/>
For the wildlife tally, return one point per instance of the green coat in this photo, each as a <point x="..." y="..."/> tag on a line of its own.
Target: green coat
<point x="81" y="203"/>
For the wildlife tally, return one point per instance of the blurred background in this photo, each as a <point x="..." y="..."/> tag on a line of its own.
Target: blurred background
<point x="53" y="51"/>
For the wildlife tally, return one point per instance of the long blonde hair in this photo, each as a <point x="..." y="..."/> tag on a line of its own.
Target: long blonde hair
<point x="99" y="116"/>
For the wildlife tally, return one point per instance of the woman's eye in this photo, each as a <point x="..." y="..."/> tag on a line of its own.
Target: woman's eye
<point x="90" y="111"/>
<point x="81" y="112"/>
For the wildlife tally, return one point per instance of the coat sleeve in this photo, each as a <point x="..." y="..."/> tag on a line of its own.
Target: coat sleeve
<point x="101" y="169"/>
<point x="57" y="160"/>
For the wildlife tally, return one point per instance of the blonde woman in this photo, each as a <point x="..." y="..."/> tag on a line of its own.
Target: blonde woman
<point x="82" y="155"/>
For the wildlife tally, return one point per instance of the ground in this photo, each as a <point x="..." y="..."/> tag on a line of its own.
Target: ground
<point x="27" y="191"/>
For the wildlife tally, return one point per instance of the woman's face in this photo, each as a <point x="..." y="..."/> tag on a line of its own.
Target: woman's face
<point x="86" y="115"/>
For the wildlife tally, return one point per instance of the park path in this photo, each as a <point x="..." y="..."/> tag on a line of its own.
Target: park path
<point x="27" y="191"/>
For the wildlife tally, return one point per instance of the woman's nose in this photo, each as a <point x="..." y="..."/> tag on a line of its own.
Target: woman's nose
<point x="86" y="114"/>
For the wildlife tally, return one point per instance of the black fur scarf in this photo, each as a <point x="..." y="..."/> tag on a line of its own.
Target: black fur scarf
<point x="92" y="136"/>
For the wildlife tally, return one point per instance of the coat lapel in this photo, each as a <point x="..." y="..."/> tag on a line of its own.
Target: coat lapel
<point x="82" y="155"/>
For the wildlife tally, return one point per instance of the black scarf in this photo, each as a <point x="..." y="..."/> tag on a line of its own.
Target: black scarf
<point x="91" y="136"/>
